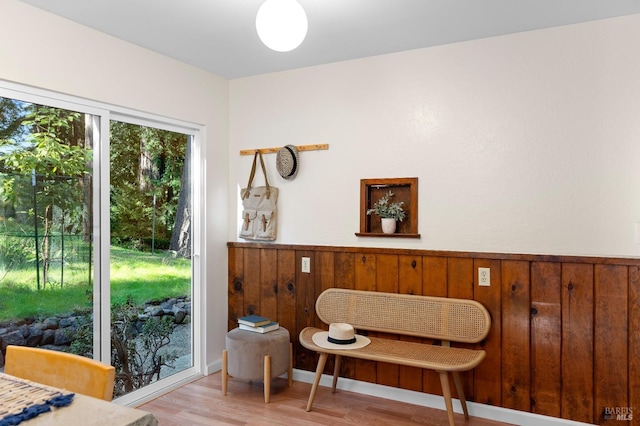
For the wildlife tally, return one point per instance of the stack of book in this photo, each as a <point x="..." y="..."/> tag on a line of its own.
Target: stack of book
<point x="257" y="324"/>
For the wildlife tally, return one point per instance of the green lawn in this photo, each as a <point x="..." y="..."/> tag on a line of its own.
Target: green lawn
<point x="140" y="274"/>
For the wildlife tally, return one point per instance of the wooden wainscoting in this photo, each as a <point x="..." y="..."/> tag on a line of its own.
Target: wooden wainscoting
<point x="565" y="334"/>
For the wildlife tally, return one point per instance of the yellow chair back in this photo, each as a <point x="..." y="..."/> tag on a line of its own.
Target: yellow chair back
<point x="71" y="372"/>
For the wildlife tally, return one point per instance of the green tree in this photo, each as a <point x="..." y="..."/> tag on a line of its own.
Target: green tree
<point x="145" y="163"/>
<point x="181" y="235"/>
<point x="50" y="146"/>
<point x="11" y="116"/>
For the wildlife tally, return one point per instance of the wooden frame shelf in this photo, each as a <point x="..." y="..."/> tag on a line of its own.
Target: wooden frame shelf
<point x="404" y="189"/>
<point x="383" y="235"/>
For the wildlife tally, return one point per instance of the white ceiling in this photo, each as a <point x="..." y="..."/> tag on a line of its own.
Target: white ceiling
<point x="219" y="35"/>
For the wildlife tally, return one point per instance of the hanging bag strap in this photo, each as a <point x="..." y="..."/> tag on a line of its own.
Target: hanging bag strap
<point x="247" y="190"/>
<point x="253" y="173"/>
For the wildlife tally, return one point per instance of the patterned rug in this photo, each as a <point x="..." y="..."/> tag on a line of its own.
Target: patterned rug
<point x="22" y="399"/>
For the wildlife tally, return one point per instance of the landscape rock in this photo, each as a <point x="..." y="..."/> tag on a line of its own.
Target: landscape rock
<point x="57" y="332"/>
<point x="24" y="329"/>
<point x="168" y="305"/>
<point x="62" y="337"/>
<point x="13" y="338"/>
<point x="68" y="322"/>
<point x="155" y="311"/>
<point x="34" y="337"/>
<point x="179" y="315"/>
<point x="51" y="323"/>
<point x="48" y="337"/>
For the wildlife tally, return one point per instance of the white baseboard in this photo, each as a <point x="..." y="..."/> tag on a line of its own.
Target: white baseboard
<point x="213" y="367"/>
<point x="434" y="401"/>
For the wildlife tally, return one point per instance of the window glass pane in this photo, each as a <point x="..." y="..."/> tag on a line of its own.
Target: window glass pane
<point x="150" y="216"/>
<point x="46" y="250"/>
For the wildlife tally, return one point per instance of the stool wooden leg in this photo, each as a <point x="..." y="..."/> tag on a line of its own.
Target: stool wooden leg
<point x="267" y="378"/>
<point x="336" y="373"/>
<point x="463" y="401"/>
<point x="446" y="392"/>
<point x="290" y="372"/>
<point x="319" y="369"/>
<point x="225" y="374"/>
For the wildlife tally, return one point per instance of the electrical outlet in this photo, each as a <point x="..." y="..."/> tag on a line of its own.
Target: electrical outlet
<point x="306" y="265"/>
<point x="484" y="277"/>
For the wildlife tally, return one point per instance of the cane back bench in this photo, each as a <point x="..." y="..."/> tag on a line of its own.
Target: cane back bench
<point x="440" y="318"/>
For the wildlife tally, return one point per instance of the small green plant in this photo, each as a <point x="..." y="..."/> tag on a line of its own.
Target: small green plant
<point x="137" y="352"/>
<point x="386" y="209"/>
<point x="138" y="347"/>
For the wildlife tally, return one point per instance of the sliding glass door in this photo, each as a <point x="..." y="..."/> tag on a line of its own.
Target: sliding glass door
<point x="47" y="244"/>
<point x="150" y="267"/>
<point x="96" y="238"/>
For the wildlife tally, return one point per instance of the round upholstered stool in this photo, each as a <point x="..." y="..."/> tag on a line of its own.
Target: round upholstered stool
<point x="257" y="356"/>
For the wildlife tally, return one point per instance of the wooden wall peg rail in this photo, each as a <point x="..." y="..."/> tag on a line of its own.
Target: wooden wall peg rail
<point x="316" y="147"/>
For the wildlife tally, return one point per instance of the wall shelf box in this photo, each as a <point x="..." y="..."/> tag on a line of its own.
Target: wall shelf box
<point x="404" y="189"/>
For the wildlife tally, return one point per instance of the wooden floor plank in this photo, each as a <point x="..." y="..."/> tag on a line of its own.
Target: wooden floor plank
<point x="201" y="403"/>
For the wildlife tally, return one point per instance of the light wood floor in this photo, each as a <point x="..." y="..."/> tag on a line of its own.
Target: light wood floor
<point x="201" y="403"/>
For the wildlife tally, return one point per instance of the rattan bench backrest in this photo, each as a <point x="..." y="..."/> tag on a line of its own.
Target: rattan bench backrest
<point x="442" y="318"/>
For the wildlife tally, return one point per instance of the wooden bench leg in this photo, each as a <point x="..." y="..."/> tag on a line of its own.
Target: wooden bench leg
<point x="446" y="392"/>
<point x="267" y="378"/>
<point x="319" y="369"/>
<point x="336" y="373"/>
<point x="463" y="401"/>
<point x="225" y="374"/>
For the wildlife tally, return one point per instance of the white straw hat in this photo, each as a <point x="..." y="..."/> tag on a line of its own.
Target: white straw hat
<point x="340" y="336"/>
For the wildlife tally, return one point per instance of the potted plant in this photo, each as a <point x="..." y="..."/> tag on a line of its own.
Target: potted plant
<point x="389" y="212"/>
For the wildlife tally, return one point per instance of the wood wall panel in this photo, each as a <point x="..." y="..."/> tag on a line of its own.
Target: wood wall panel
<point x="235" y="283"/>
<point x="435" y="274"/>
<point x="410" y="274"/>
<point x="460" y="278"/>
<point x="325" y="272"/>
<point x="305" y="306"/>
<point x="577" y="342"/>
<point x="286" y="261"/>
<point x="345" y="277"/>
<point x="565" y="334"/>
<point x="611" y="352"/>
<point x="324" y="279"/>
<point x="546" y="337"/>
<point x="269" y="284"/>
<point x="516" y="305"/>
<point x="365" y="274"/>
<point x="387" y="278"/>
<point x="487" y="376"/>
<point x="251" y="287"/>
<point x="345" y="270"/>
<point x="410" y="282"/>
<point x="634" y="342"/>
<point x="460" y="285"/>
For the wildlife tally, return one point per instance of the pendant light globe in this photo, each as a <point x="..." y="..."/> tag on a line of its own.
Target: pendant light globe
<point x="281" y="24"/>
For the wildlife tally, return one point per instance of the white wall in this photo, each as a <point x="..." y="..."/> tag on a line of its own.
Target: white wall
<point x="526" y="143"/>
<point x="42" y="50"/>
